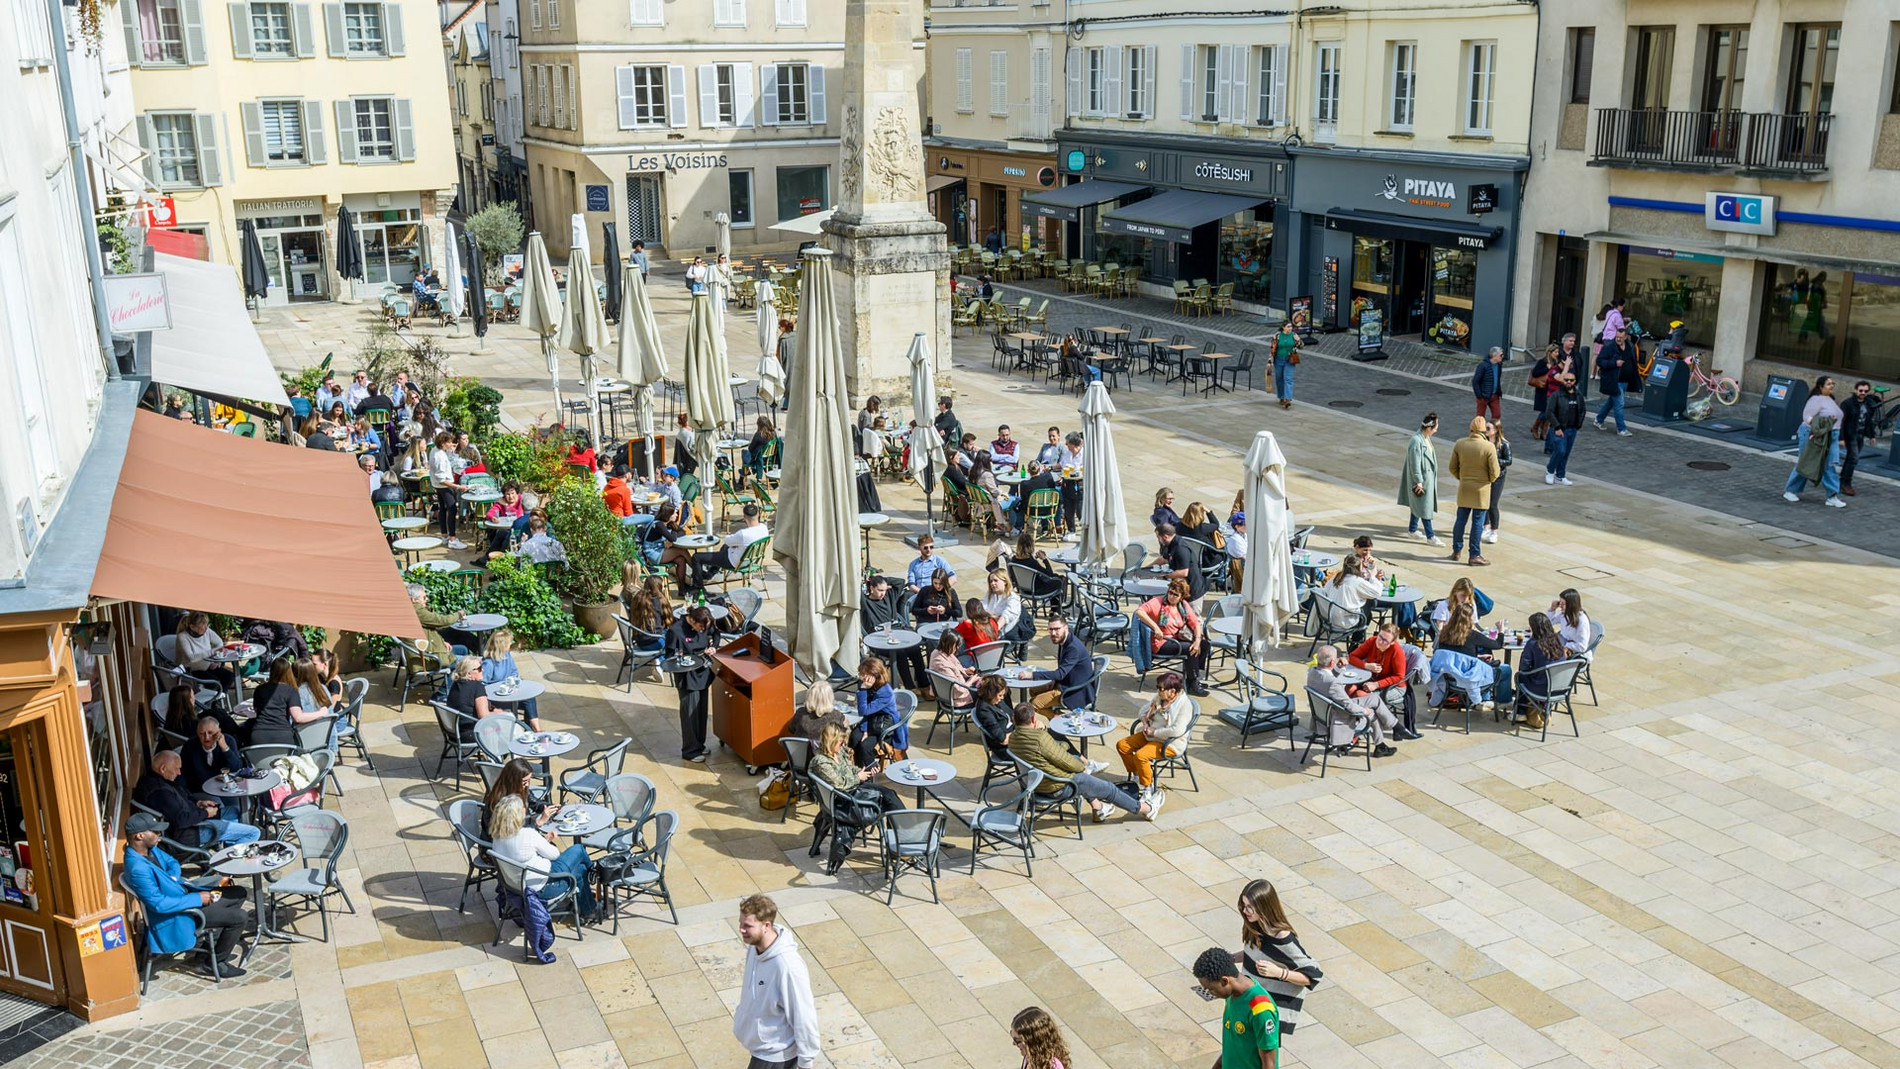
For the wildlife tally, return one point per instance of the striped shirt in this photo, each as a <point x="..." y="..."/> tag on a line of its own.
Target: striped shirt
<point x="1268" y="960"/>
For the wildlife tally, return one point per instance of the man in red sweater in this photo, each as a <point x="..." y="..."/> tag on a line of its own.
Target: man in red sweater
<point x="1384" y="656"/>
<point x="619" y="498"/>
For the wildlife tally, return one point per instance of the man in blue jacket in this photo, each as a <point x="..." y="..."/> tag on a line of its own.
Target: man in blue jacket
<point x="1487" y="385"/>
<point x="155" y="878"/>
<point x="1072" y="674"/>
<point x="1611" y="359"/>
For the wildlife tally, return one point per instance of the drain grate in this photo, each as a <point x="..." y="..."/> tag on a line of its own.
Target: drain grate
<point x="1394" y="391"/>
<point x="1344" y="404"/>
<point x="1708" y="465"/>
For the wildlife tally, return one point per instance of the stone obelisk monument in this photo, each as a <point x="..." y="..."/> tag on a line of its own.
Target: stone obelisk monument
<point x="892" y="270"/>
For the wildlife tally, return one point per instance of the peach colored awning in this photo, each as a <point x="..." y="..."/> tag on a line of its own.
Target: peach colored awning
<point x="213" y="521"/>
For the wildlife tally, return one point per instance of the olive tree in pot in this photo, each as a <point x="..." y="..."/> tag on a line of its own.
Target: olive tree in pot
<point x="591" y="536"/>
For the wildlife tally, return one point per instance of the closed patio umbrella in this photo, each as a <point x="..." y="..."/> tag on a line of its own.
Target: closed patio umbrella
<point x="255" y="275"/>
<point x="1269" y="595"/>
<point x="640" y="359"/>
<point x="816" y="542"/>
<point x="926" y="445"/>
<point x="708" y="392"/>
<point x="349" y="246"/>
<point x="454" y="293"/>
<point x="610" y="271"/>
<point x="1104" y="517"/>
<point x="541" y="310"/>
<point x="771" y="372"/>
<point x="478" y="281"/>
<point x="584" y="328"/>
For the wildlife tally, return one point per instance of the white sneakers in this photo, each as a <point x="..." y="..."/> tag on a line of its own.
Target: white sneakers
<point x="1491" y="535"/>
<point x="1836" y="503"/>
<point x="1549" y="479"/>
<point x="456" y="543"/>
<point x="1153" y="801"/>
<point x="1092" y="767"/>
<point x="1102" y="811"/>
<point x="1626" y="434"/>
<point x="1565" y="482"/>
<point x="1792" y="499"/>
<point x="1431" y="540"/>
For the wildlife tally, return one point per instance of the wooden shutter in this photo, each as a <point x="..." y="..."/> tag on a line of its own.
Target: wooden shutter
<point x="744" y="108"/>
<point x="768" y="94"/>
<point x="966" y="93"/>
<point x="1148" y="108"/>
<point x="646" y="13"/>
<point x="253" y="117"/>
<point x="791" y="12"/>
<point x="194" y="19"/>
<point x="148" y="140"/>
<point x="345" y="131"/>
<point x="134" y="47"/>
<point x="623" y="87"/>
<point x="1237" y="101"/>
<point x="393" y="43"/>
<point x="303" y="35"/>
<point x="316" y="150"/>
<point x="210" y="163"/>
<point x="338" y="41"/>
<point x="708" y="95"/>
<point x="1073" y="62"/>
<point x="240" y="29"/>
<point x="405" y="130"/>
<point x="999" y="83"/>
<point x="675" y="95"/>
<point x="573" y="99"/>
<point x="1187" y="82"/>
<point x="815" y="92"/>
<point x="1113" y="79"/>
<point x="1279" y="84"/>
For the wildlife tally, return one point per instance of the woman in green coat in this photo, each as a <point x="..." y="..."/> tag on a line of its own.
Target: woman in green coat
<point x="1418" y="478"/>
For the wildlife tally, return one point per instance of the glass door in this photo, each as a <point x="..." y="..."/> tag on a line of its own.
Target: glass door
<point x="303" y="262"/>
<point x="26" y="948"/>
<point x="1811" y="72"/>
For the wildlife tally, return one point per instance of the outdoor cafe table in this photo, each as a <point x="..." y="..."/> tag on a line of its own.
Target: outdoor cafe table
<point x="866" y="521"/>
<point x="477" y="622"/>
<point x="718" y="612"/>
<point x="415" y="545"/>
<point x="895" y="639"/>
<point x="264" y="856"/>
<point x="1085" y="727"/>
<point x="503" y="693"/>
<point x="481" y="497"/>
<point x="551" y="744"/>
<point x="433" y="566"/>
<point x="1145" y="587"/>
<point x="582" y="819"/>
<point x="235" y="654"/>
<point x="924" y="773"/>
<point x="933" y="630"/>
<point x="1308" y="561"/>
<point x="405" y="523"/>
<point x="704" y="541"/>
<point x="1385" y="603"/>
<point x="1018" y="677"/>
<point x="1226" y="625"/>
<point x="241" y="787"/>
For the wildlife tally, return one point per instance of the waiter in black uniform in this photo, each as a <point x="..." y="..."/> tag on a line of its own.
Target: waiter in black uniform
<point x="692" y="635"/>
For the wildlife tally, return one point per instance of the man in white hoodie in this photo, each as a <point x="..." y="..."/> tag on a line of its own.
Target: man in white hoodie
<point x="775" y="1018"/>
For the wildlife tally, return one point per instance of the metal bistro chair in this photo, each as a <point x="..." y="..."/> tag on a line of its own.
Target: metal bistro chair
<point x="948" y="710"/>
<point x="640" y="872"/>
<point x="206" y="939"/>
<point x="416" y="670"/>
<point x="349" y="727"/>
<point x="589" y="782"/>
<point x="1265" y="707"/>
<point x="1321" y="709"/>
<point x="321" y="835"/>
<point x="913" y="842"/>
<point x="465" y="817"/>
<point x="1173" y="759"/>
<point x="798" y="766"/>
<point x="565" y="900"/>
<point x="831" y="835"/>
<point x="1584" y="677"/>
<point x="1241" y="368"/>
<point x="1063" y="801"/>
<point x="495" y="735"/>
<point x="1329" y="621"/>
<point x="1007" y="822"/>
<point x="1560" y="681"/>
<point x="450" y="721"/>
<point x="987" y="657"/>
<point x="640" y="648"/>
<point x="631" y="796"/>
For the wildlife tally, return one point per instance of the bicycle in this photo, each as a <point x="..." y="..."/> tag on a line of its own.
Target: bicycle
<point x="1720" y="386"/>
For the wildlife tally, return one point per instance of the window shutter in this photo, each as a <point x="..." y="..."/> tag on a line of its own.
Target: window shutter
<point x="315" y="149"/>
<point x="134" y="48"/>
<point x="1223" y="79"/>
<point x="1279" y="85"/>
<point x="240" y="30"/>
<point x="334" y="36"/>
<point x="1112" y="77"/>
<point x="708" y="95"/>
<point x="1237" y="102"/>
<point x="1073" y="62"/>
<point x="768" y="95"/>
<point x="738" y="12"/>
<point x="623" y="88"/>
<point x="194" y="19"/>
<point x="815" y="89"/>
<point x="345" y="131"/>
<point x="393" y="44"/>
<point x="791" y="12"/>
<point x="675" y="95"/>
<point x="1187" y="82"/>
<point x="966" y="94"/>
<point x="999" y="83"/>
<point x="405" y="131"/>
<point x="303" y="37"/>
<point x="573" y="101"/>
<point x="534" y="14"/>
<point x="744" y="109"/>
<point x="1148" y="83"/>
<point x="645" y="12"/>
<point x="210" y="164"/>
<point x="148" y="141"/>
<point x="253" y="116"/>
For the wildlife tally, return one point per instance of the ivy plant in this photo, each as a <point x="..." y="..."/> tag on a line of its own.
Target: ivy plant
<point x="535" y="614"/>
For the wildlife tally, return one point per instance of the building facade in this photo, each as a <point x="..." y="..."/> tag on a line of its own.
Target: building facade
<point x="665" y="118"/>
<point x="510" y="151"/>
<point x="472" y="98"/>
<point x="280" y="113"/>
<point x="993" y="100"/>
<point x="1721" y="165"/>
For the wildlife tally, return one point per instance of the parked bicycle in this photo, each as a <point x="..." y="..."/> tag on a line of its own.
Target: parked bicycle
<point x="1724" y="388"/>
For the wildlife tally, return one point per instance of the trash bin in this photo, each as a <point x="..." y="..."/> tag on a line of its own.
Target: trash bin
<point x="1781" y="405"/>
<point x="1667" y="392"/>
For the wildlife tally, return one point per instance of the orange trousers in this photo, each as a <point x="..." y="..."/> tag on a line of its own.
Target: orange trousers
<point x="1138" y="756"/>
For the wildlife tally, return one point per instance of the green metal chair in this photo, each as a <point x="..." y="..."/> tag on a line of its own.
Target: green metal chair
<point x="246" y="429"/>
<point x="471" y="578"/>
<point x="391" y="510"/>
<point x="764" y="499"/>
<point x="1043" y="511"/>
<point x="729" y="496"/>
<point x="752" y="562"/>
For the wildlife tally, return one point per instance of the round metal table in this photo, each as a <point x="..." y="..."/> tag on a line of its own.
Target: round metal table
<point x="933" y="630"/>
<point x="718" y="612"/>
<point x="1145" y="588"/>
<point x="405" y="523"/>
<point x="924" y="774"/>
<point x="1018" y="677"/>
<point x="1307" y="560"/>
<point x="477" y="622"/>
<point x="895" y="639"/>
<point x="1085" y="727"/>
<point x="551" y="744"/>
<point x="583" y="819"/>
<point x="255" y="860"/>
<point x="433" y="566"/>
<point x="522" y="690"/>
<point x="698" y="541"/>
<point x="413" y="545"/>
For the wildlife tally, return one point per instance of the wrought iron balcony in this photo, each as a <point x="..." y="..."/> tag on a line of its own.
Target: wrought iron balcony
<point x="1711" y="141"/>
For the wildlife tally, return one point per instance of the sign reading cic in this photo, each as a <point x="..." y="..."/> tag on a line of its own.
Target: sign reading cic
<point x="1740" y="213"/>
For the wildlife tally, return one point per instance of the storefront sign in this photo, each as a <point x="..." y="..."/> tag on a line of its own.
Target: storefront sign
<point x="1673" y="254"/>
<point x="1300" y="314"/>
<point x="1329" y="291"/>
<point x="1426" y="192"/>
<point x="597" y="200"/>
<point x="487" y="140"/>
<point x="1046" y="178"/>
<point x="288" y="206"/>
<point x="1076" y="159"/>
<point x="1371" y="329"/>
<point x="161" y="213"/>
<point x="1221" y="172"/>
<point x="1015" y="172"/>
<point x="137" y="302"/>
<point x="677" y="161"/>
<point x="1482" y="199"/>
<point x="1740" y="213"/>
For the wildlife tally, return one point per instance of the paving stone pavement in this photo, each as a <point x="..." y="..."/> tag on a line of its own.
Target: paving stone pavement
<point x="1708" y="874"/>
<point x="265" y="1036"/>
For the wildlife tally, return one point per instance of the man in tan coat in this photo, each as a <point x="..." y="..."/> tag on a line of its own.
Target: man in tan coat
<point x="1474" y="463"/>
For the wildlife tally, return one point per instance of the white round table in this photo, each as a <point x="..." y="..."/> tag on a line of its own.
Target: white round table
<point x="434" y="566"/>
<point x="240" y="787"/>
<point x="736" y="380"/>
<point x="895" y="639"/>
<point x="1145" y="588"/>
<point x="503" y="693"/>
<point x="698" y="541"/>
<point x="1318" y="562"/>
<point x="549" y="743"/>
<point x="414" y="544"/>
<point x="872" y="519"/>
<point x="717" y="612"/>
<point x="481" y="497"/>
<point x="256" y="859"/>
<point x="1085" y="728"/>
<point x="1226" y="625"/>
<point x="1010" y="478"/>
<point x="924" y="774"/>
<point x="237" y="653"/>
<point x="499" y="525"/>
<point x="933" y="630"/>
<point x="405" y="523"/>
<point x="1349" y="675"/>
<point x="584" y="818"/>
<point x="733" y="445"/>
<point x="1019" y="677"/>
<point x="476" y="622"/>
<point x="612" y="386"/>
<point x="1404" y="595"/>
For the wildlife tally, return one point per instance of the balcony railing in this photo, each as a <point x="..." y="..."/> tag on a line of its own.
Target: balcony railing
<point x="1712" y="140"/>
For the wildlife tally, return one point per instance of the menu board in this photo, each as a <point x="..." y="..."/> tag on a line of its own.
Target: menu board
<point x="1329" y="291"/>
<point x="1371" y="329"/>
<point x="1300" y="314"/>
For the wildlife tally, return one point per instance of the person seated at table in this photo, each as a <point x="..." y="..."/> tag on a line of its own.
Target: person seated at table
<point x="1351" y="590"/>
<point x="1199" y="524"/>
<point x="1236" y="535"/>
<point x="872" y="418"/>
<point x="580" y="453"/>
<point x="373" y="400"/>
<point x="816" y="712"/>
<point x="978" y="627"/>
<point x="966" y="456"/>
<point x="1032" y="743"/>
<point x="1464" y="593"/>
<point x="1461" y="635"/>
<point x="468" y="457"/>
<point x="1177" y="560"/>
<point x="1040" y="478"/>
<point x="209" y="753"/>
<point x="313" y="686"/>
<point x="337" y="415"/>
<point x="1074" y="671"/>
<point x="881" y="604"/>
<point x="1164" y="510"/>
<point x="1572" y="624"/>
<point x="194" y="643"/>
<point x="300" y="407"/>
<point x="1029" y="555"/>
<point x="362" y="434"/>
<point x="516" y="780"/>
<point x="992" y="715"/>
<point x="831" y="765"/>
<point x="1542" y="648"/>
<point x="156" y="880"/>
<point x="507" y="510"/>
<point x="928" y="564"/>
<point x="1160" y="729"/>
<point x="1176" y="631"/>
<point x="1004" y="450"/>
<point x="541" y="547"/>
<point x="178" y="710"/>
<point x="196" y="819"/>
<point x="946" y="660"/>
<point x="617" y="495"/>
<point x="708" y="564"/>
<point x="1384" y="656"/>
<point x="278" y="706"/>
<point x="648" y="607"/>
<point x="877" y="713"/>
<point x="936" y="602"/>
<point x="953" y="475"/>
<point x="498" y="663"/>
<point x="468" y="695"/>
<point x="517" y="841"/>
<point x="415" y="452"/>
<point x="1356" y="708"/>
<point x="1050" y="452"/>
<point x="433" y="622"/>
<point x="669" y="488"/>
<point x="762" y="435"/>
<point x="1371" y="568"/>
<point x="983" y="474"/>
<point x="382" y="487"/>
<point x="1003" y="604"/>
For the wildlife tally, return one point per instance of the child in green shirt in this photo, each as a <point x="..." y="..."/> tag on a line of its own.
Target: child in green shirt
<point x="1250" y="1027"/>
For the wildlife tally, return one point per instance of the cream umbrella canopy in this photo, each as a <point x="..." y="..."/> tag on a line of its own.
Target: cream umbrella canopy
<point x="816" y="540"/>
<point x="640" y="358"/>
<point x="541" y="308"/>
<point x="708" y="391"/>
<point x="584" y="328"/>
<point x="454" y="295"/>
<point x="771" y="372"/>
<point x="1268" y="594"/>
<point x="926" y="445"/>
<point x="1104" y="517"/>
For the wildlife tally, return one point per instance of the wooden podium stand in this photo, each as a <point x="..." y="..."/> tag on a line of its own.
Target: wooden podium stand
<point x="751" y="700"/>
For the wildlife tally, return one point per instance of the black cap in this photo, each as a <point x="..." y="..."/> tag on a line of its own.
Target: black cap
<point x="139" y="822"/>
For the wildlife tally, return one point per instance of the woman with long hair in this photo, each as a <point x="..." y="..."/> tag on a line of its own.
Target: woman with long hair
<point x="1001" y="601"/>
<point x="1572" y="623"/>
<point x="515" y="780"/>
<point x="1272" y="951"/>
<point x="448" y="492"/>
<point x="944" y="661"/>
<point x="516" y="841"/>
<point x="279" y="705"/>
<point x="1035" y="1034"/>
<point x="498" y="663"/>
<point x="1462" y="593"/>
<point x="978" y="627"/>
<point x="1544" y="648"/>
<point x="1164" y="510"/>
<point x="313" y="690"/>
<point x="650" y="608"/>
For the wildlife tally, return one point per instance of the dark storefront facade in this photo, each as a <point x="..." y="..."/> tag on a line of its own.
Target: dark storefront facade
<point x="1181" y="208"/>
<point x="972" y="190"/>
<point x="1428" y="239"/>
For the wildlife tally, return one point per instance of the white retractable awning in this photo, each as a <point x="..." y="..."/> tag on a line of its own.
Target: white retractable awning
<point x="212" y="346"/>
<point x="813" y="224"/>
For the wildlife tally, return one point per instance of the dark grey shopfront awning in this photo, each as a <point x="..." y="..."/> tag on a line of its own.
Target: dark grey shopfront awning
<point x="1448" y="232"/>
<point x="1173" y="215"/>
<point x="1067" y="202"/>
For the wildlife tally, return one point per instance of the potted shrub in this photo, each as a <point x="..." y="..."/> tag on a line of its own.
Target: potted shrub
<point x="591" y="535"/>
<point x="535" y="614"/>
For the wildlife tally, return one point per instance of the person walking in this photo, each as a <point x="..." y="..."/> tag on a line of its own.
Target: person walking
<point x="1858" y="428"/>
<point x="1250" y="1023"/>
<point x="638" y="257"/>
<point x="1566" y="419"/>
<point x="1487" y="384"/>
<point x="1543" y="379"/>
<point x="1286" y="353"/>
<point x="1611" y="360"/>
<point x="1418" y="479"/>
<point x="1818" y="446"/>
<point x="1474" y="463"/>
<point x="775" y="1019"/>
<point x="1494" y="433"/>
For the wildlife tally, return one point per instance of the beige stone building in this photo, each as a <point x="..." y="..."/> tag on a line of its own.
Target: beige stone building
<point x="664" y="117"/>
<point x="472" y="100"/>
<point x="281" y="113"/>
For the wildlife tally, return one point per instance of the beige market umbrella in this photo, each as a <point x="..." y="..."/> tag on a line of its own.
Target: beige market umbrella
<point x="541" y="308"/>
<point x="926" y="445"/>
<point x="708" y="392"/>
<point x="584" y="328"/>
<point x="771" y="372"/>
<point x="1104" y="517"/>
<point x="640" y="358"/>
<point x="1268" y="594"/>
<point x="816" y="542"/>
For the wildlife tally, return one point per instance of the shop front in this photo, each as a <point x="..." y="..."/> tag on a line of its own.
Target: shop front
<point x="394" y="238"/>
<point x="1205" y="209"/>
<point x="973" y="190"/>
<point x="1426" y="239"/>
<point x="296" y="249"/>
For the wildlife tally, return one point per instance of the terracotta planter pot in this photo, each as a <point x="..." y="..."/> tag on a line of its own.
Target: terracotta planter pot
<point x="597" y="619"/>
